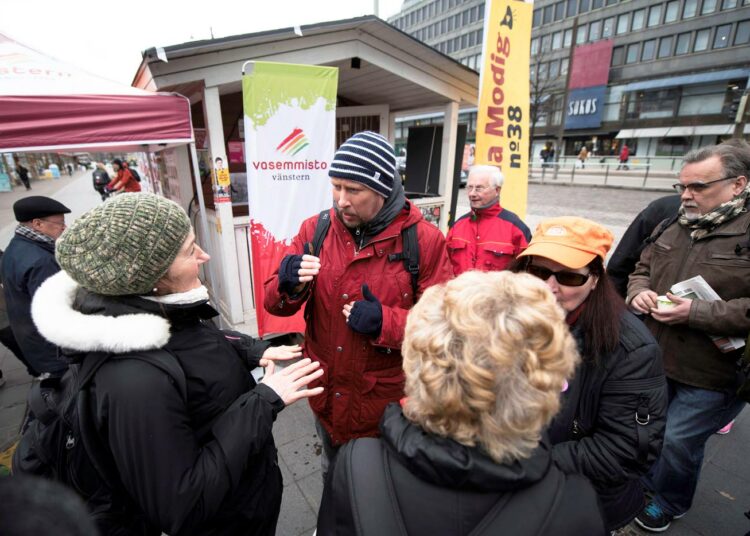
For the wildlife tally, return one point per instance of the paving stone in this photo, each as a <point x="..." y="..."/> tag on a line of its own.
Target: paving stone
<point x="294" y="422"/>
<point x="312" y="489"/>
<point x="296" y="517"/>
<point x="302" y="456"/>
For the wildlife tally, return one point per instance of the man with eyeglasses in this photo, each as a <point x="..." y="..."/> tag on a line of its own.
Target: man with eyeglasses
<point x="489" y="237"/>
<point x="28" y="261"/>
<point x="709" y="238"/>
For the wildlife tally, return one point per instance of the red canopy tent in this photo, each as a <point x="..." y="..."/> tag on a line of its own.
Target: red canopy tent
<point x="48" y="105"/>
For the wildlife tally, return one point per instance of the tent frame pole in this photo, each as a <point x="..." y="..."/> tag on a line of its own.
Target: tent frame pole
<point x="204" y="226"/>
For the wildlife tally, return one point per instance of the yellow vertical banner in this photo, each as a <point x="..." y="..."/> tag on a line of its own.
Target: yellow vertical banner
<point x="503" y="112"/>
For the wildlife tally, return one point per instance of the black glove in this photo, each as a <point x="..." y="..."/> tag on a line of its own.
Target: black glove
<point x="289" y="273"/>
<point x="367" y="315"/>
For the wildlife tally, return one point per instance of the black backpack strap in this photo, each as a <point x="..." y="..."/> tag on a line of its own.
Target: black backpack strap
<point x="321" y="230"/>
<point x="411" y="257"/>
<point x="666" y="222"/>
<point x="371" y="491"/>
<point x="642" y="419"/>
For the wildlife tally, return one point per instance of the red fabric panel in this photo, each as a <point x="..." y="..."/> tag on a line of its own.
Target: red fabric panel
<point x="40" y="121"/>
<point x="591" y="65"/>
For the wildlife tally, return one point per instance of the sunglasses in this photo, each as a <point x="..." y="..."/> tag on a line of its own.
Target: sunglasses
<point x="568" y="279"/>
<point x="697" y="187"/>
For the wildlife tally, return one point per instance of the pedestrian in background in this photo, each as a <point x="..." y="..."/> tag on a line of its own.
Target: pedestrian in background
<point x="485" y="356"/>
<point x="193" y="450"/>
<point x="611" y="423"/>
<point x="583" y="156"/>
<point x="624" y="157"/>
<point x="23" y="174"/>
<point x="124" y="180"/>
<point x="101" y="180"/>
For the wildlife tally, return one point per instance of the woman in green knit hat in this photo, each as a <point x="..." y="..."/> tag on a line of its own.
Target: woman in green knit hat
<point x="187" y="428"/>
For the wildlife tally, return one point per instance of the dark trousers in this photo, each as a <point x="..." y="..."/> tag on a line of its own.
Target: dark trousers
<point x="329" y="451"/>
<point x="9" y="341"/>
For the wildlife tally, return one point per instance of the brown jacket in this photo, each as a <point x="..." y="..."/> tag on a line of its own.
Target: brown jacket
<point x="723" y="259"/>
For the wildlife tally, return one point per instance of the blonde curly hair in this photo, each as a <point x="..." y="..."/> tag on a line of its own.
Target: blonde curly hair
<point x="486" y="356"/>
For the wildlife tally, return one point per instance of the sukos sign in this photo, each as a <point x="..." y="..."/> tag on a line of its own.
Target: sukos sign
<point x="585" y="107"/>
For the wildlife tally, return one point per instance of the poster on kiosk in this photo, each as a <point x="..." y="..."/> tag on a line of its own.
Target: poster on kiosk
<point x="290" y="133"/>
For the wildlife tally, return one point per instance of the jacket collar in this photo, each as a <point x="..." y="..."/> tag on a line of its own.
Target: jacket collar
<point x="444" y="462"/>
<point x="488" y="212"/>
<point x="117" y="329"/>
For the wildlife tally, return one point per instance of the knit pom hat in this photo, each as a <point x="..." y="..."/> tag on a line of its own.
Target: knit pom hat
<point x="123" y="246"/>
<point x="367" y="158"/>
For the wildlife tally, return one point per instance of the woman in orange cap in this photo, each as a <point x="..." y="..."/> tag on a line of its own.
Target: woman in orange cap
<point x="611" y="423"/>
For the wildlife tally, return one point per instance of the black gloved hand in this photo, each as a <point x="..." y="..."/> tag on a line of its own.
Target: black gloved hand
<point x="367" y="315"/>
<point x="289" y="273"/>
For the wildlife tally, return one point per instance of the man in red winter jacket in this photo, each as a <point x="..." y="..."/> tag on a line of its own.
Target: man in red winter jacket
<point x="357" y="291"/>
<point x="489" y="237"/>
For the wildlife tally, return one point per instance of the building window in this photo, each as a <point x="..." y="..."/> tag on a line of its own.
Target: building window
<point x="701" y="40"/>
<point x="704" y="99"/>
<point x="546" y="41"/>
<point x="654" y="15"/>
<point x="610" y="2"/>
<point x="547" y="17"/>
<point x="721" y="39"/>
<point x="683" y="44"/>
<point x="534" y="46"/>
<point x="537" y="18"/>
<point x="632" y="55"/>
<point x="583" y="7"/>
<point x="618" y="56"/>
<point x="572" y="8"/>
<point x="672" y="11"/>
<point x="709" y="6"/>
<point x="742" y="37"/>
<point x="595" y="30"/>
<point x="564" y="66"/>
<point x="560" y="11"/>
<point x="542" y="71"/>
<point x="649" y="50"/>
<point x="652" y="104"/>
<point x="556" y="40"/>
<point x="581" y="35"/>
<point x="639" y="19"/>
<point x="608" y="28"/>
<point x="554" y="68"/>
<point x="665" y="47"/>
<point x="596" y="4"/>
<point x="690" y="9"/>
<point x="567" y="38"/>
<point x="622" y="24"/>
<point x="728" y="4"/>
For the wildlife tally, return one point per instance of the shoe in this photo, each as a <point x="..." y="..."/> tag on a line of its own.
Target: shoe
<point x="653" y="519"/>
<point x="726" y="429"/>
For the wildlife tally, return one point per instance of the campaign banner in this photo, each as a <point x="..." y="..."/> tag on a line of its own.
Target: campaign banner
<point x="503" y="112"/>
<point x="290" y="133"/>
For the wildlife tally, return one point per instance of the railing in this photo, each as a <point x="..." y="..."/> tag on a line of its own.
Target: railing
<point x="604" y="172"/>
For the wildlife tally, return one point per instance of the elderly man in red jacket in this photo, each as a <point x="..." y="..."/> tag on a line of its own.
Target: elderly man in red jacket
<point x="489" y="237"/>
<point x="357" y="291"/>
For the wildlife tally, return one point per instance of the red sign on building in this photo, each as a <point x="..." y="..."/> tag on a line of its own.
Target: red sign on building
<point x="591" y="65"/>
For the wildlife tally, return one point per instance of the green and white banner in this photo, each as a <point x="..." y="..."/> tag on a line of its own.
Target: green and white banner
<point x="290" y="134"/>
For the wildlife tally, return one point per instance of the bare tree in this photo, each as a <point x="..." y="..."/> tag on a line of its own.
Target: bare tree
<point x="543" y="90"/>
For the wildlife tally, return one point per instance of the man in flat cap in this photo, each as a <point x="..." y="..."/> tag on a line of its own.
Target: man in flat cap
<point x="28" y="261"/>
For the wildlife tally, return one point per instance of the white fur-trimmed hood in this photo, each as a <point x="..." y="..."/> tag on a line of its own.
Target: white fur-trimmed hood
<point x="57" y="321"/>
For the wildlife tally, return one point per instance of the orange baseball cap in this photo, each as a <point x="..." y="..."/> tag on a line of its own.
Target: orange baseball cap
<point x="573" y="242"/>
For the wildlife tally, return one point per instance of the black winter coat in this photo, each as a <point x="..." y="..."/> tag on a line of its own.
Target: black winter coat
<point x="26" y="265"/>
<point x="596" y="434"/>
<point x="443" y="488"/>
<point x="206" y="465"/>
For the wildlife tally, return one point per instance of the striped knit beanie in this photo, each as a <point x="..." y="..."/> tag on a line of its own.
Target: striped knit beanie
<point x="123" y="246"/>
<point x="367" y="158"/>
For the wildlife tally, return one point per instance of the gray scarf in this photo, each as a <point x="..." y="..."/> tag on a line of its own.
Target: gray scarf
<point x="709" y="221"/>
